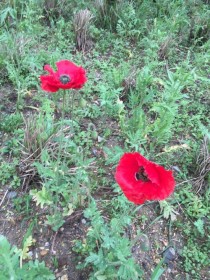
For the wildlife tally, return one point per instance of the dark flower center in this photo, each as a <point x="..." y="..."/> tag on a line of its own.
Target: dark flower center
<point x="141" y="175"/>
<point x="64" y="79"/>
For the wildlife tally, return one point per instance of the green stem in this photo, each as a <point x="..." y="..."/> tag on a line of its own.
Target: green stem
<point x="169" y="232"/>
<point x="61" y="126"/>
<point x="63" y="105"/>
<point x="72" y="107"/>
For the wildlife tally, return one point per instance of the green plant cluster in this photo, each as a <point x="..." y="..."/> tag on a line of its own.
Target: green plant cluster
<point x="10" y="267"/>
<point x="148" y="91"/>
<point x="8" y="173"/>
<point x="11" y="123"/>
<point x="108" y="251"/>
<point x="194" y="258"/>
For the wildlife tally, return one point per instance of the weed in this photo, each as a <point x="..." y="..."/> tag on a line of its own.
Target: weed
<point x="105" y="248"/>
<point x="197" y="206"/>
<point x="107" y="16"/>
<point x="10" y="123"/>
<point x="194" y="258"/>
<point x="12" y="266"/>
<point x="22" y="205"/>
<point x="65" y="181"/>
<point x="39" y="132"/>
<point x="8" y="174"/>
<point x="128" y="23"/>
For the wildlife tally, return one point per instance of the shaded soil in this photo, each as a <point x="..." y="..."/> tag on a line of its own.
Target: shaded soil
<point x="55" y="248"/>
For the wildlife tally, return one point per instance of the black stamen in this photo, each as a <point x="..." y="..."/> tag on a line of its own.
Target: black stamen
<point x="141" y="175"/>
<point x="64" y="79"/>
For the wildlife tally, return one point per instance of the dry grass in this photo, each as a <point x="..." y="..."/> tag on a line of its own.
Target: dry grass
<point x="203" y="163"/>
<point x="129" y="82"/>
<point x="164" y="49"/>
<point x="100" y="6"/>
<point x="39" y="136"/>
<point x="81" y="24"/>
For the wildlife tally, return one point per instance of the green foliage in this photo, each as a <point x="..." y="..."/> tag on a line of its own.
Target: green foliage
<point x="128" y="23"/>
<point x="56" y="220"/>
<point x="159" y="270"/>
<point x="148" y="121"/>
<point x="10" y="267"/>
<point x="39" y="129"/>
<point x="200" y="226"/>
<point x="148" y="90"/>
<point x="113" y="155"/>
<point x="195" y="258"/>
<point x="8" y="174"/>
<point x="22" y="205"/>
<point x="65" y="179"/>
<point x="196" y="206"/>
<point x="106" y="10"/>
<point x="10" y="123"/>
<point x="196" y="209"/>
<point x="168" y="210"/>
<point x="41" y="197"/>
<point x="109" y="99"/>
<point x="106" y="249"/>
<point x="7" y="13"/>
<point x="13" y="143"/>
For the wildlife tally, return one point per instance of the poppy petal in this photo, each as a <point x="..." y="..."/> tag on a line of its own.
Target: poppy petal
<point x="48" y="68"/>
<point x="47" y="84"/>
<point x="65" y="67"/>
<point x="141" y="179"/>
<point x="53" y="81"/>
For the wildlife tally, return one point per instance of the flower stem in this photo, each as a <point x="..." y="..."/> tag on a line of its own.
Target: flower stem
<point x="72" y="107"/>
<point x="63" y="105"/>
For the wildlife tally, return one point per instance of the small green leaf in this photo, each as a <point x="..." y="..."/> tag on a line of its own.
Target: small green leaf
<point x="158" y="271"/>
<point x="41" y="197"/>
<point x="29" y="242"/>
<point x="200" y="226"/>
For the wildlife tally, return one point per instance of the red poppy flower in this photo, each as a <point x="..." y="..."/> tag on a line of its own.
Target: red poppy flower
<point x="68" y="75"/>
<point x="141" y="179"/>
